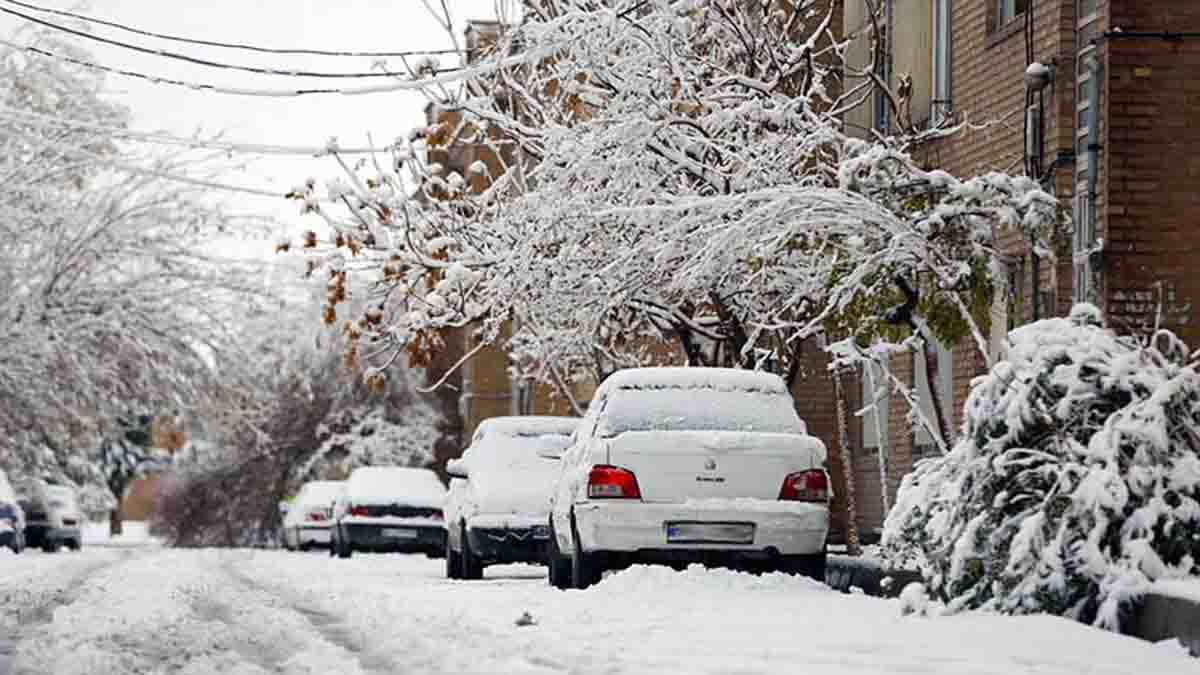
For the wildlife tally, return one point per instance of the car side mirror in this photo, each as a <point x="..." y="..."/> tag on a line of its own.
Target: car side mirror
<point x="456" y="468"/>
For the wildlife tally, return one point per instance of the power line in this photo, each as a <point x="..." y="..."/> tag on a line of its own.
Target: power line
<point x="232" y="45"/>
<point x="25" y="116"/>
<point x="192" y="59"/>
<point x="443" y="76"/>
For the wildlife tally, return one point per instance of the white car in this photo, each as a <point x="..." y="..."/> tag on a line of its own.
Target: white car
<point x="53" y="518"/>
<point x="386" y="508"/>
<point x="12" y="517"/>
<point x="500" y="493"/>
<point x="683" y="465"/>
<point x="307" y="518"/>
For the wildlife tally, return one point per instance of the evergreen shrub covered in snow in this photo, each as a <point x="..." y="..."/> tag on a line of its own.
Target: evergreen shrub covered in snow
<point x="1076" y="481"/>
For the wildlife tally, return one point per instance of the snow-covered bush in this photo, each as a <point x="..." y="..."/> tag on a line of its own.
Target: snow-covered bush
<point x="1076" y="481"/>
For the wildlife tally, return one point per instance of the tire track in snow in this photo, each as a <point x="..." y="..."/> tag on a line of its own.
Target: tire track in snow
<point x="33" y="610"/>
<point x="330" y="627"/>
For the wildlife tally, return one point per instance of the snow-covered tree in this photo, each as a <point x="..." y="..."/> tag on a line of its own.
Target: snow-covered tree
<point x="1076" y="482"/>
<point x="674" y="170"/>
<point x="110" y="304"/>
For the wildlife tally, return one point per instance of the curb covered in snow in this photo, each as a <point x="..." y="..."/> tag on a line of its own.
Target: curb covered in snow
<point x="844" y="572"/>
<point x="1161" y="615"/>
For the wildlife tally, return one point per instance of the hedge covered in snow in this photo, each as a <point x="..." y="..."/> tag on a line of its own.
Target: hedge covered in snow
<point x="1076" y="481"/>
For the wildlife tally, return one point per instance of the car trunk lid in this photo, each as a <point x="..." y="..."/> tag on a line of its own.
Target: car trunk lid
<point x="674" y="466"/>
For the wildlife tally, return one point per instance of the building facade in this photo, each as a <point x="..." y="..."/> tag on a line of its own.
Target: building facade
<point x="1096" y="98"/>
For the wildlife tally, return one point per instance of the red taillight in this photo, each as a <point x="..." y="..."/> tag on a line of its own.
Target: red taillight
<point x="316" y="517"/>
<point x="612" y="482"/>
<point x="806" y="486"/>
<point x="359" y="511"/>
<point x="436" y="515"/>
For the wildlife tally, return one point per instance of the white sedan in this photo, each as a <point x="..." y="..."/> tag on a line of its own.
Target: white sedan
<point x="500" y="493"/>
<point x="683" y="465"/>
<point x="307" y="518"/>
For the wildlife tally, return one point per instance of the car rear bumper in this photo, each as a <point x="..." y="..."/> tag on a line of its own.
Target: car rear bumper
<point x="509" y="545"/>
<point x="36" y="534"/>
<point x="779" y="528"/>
<point x="312" y="534"/>
<point x="395" y="537"/>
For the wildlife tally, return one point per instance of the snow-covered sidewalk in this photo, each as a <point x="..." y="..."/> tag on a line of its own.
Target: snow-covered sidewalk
<point x="175" y="611"/>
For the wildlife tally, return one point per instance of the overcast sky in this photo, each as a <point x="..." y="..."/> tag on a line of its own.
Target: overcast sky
<point x="354" y="25"/>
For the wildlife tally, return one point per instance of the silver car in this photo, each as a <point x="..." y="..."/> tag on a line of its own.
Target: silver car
<point x="53" y="519"/>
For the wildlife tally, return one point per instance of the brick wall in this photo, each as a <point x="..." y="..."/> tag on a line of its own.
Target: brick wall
<point x="1152" y="167"/>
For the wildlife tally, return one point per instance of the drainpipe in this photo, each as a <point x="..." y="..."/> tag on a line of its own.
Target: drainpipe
<point x="1093" y="150"/>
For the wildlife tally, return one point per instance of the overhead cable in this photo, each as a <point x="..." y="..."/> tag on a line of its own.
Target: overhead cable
<point x="193" y="59"/>
<point x="443" y="76"/>
<point x="232" y="45"/>
<point x="26" y="116"/>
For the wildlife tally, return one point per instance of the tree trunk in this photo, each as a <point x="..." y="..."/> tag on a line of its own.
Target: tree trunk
<point x="852" y="544"/>
<point x="116" y="525"/>
<point x="935" y="393"/>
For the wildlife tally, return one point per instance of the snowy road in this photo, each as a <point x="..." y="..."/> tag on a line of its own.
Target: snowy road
<point x="162" y="611"/>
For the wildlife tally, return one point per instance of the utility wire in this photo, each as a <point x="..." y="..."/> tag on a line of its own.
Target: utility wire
<point x="442" y="76"/>
<point x="29" y="117"/>
<point x="196" y="60"/>
<point x="232" y="45"/>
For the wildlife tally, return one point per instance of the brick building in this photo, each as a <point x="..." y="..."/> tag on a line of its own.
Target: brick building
<point x="1107" y="128"/>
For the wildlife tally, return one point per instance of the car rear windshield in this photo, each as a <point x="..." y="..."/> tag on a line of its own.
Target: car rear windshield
<point x="699" y="409"/>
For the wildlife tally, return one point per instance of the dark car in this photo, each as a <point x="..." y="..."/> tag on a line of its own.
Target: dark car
<point x="389" y="509"/>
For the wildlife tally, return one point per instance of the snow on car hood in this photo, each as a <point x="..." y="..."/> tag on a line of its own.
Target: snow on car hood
<point x="391" y="485"/>
<point x="510" y="478"/>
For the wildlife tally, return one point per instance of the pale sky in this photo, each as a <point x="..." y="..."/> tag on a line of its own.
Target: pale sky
<point x="343" y="25"/>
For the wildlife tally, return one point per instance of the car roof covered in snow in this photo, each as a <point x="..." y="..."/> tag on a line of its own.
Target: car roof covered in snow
<point x="320" y="491"/>
<point x="392" y="483"/>
<point x="529" y="425"/>
<point x="730" y="379"/>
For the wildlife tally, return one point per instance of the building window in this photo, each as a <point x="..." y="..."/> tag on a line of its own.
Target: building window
<point x="1007" y="10"/>
<point x="943" y="55"/>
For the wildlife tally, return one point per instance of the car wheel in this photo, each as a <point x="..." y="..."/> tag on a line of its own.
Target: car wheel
<point x="74" y="544"/>
<point x="472" y="567"/>
<point x="584" y="570"/>
<point x="558" y="564"/>
<point x="344" y="550"/>
<point x="453" y="562"/>
<point x="50" y="546"/>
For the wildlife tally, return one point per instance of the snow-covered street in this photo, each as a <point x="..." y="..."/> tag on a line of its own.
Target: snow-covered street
<point x="153" y="610"/>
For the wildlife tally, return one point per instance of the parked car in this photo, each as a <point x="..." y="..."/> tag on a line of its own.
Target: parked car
<point x="53" y="518"/>
<point x="500" y="493"/>
<point x="307" y="518"/>
<point x="12" y="517"/>
<point x="682" y="465"/>
<point x="390" y="509"/>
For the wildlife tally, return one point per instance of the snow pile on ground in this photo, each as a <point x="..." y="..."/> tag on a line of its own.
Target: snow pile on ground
<point x="134" y="533"/>
<point x="1076" y="484"/>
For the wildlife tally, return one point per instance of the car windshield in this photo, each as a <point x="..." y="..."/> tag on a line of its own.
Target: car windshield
<point x="699" y="408"/>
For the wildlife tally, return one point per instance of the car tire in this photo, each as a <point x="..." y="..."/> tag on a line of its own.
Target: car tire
<point x="454" y="567"/>
<point x="559" y="565"/>
<point x="811" y="566"/>
<point x="74" y="544"/>
<point x="50" y="546"/>
<point x="344" y="549"/>
<point x="584" y="570"/>
<point x="472" y="567"/>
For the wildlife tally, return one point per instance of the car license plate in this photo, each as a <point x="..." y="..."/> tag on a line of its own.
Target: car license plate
<point x="710" y="533"/>
<point x="541" y="532"/>
<point x="399" y="533"/>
